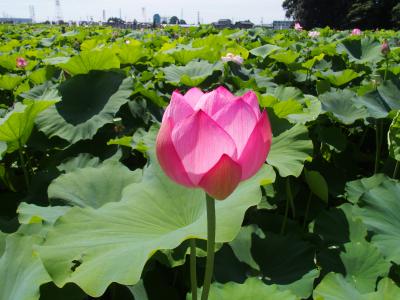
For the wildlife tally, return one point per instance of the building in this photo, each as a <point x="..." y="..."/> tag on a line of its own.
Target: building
<point x="282" y="25"/>
<point x="223" y="23"/>
<point x="244" y="24"/>
<point x="157" y="19"/>
<point x="16" y="20"/>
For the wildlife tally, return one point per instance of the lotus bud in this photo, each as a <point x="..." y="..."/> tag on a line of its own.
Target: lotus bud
<point x="21" y="62"/>
<point x="385" y="48"/>
<point x="213" y="140"/>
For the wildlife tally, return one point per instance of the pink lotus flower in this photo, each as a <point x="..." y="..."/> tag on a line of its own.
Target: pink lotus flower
<point x="314" y="34"/>
<point x="356" y="31"/>
<point x="21" y="62"/>
<point x="232" y="57"/>
<point x="213" y="140"/>
<point x="298" y="27"/>
<point x="385" y="48"/>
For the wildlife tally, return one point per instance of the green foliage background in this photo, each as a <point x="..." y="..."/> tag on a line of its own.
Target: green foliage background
<point x="86" y="212"/>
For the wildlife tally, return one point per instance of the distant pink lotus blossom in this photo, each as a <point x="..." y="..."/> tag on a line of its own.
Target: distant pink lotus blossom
<point x="298" y="27"/>
<point x="21" y="62"/>
<point x="213" y="140"/>
<point x="385" y="48"/>
<point x="232" y="57"/>
<point x="314" y="34"/>
<point x="356" y="31"/>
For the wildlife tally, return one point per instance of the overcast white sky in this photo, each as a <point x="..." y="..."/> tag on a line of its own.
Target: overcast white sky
<point x="210" y="10"/>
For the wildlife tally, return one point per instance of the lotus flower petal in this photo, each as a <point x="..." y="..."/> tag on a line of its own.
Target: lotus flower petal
<point x="238" y="120"/>
<point x="212" y="102"/>
<point x="178" y="108"/>
<point x="222" y="179"/>
<point x="257" y="148"/>
<point x="251" y="99"/>
<point x="167" y="156"/>
<point x="200" y="142"/>
<point x="193" y="96"/>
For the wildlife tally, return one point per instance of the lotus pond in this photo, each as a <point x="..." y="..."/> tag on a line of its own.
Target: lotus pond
<point x="87" y="213"/>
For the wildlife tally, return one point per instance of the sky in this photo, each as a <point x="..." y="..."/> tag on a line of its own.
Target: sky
<point x="210" y="10"/>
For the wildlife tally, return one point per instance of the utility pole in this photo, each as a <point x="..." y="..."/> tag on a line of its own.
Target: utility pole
<point x="144" y="14"/>
<point x="104" y="15"/>
<point x="32" y="13"/>
<point x="198" y="18"/>
<point x="58" y="12"/>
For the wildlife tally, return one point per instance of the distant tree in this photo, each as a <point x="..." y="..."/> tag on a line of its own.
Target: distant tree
<point x="174" y="20"/>
<point x="369" y="14"/>
<point x="182" y="22"/>
<point x="342" y="14"/>
<point x="396" y="15"/>
<point x="318" y="13"/>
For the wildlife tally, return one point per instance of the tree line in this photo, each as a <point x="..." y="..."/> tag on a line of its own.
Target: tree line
<point x="345" y="14"/>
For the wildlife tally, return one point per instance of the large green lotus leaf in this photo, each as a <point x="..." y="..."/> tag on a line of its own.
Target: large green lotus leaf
<point x="93" y="186"/>
<point x="185" y="54"/>
<point x="17" y="125"/>
<point x="115" y="241"/>
<point x="287" y="57"/>
<point x="335" y="287"/>
<point x="291" y="104"/>
<point x="8" y="61"/>
<point x="46" y="91"/>
<point x="32" y="214"/>
<point x="89" y="102"/>
<point x="21" y="271"/>
<point x="264" y="50"/>
<point x="241" y="245"/>
<point x="387" y="290"/>
<point x="380" y="211"/>
<point x="394" y="138"/>
<point x="340" y="103"/>
<point x="3" y="237"/>
<point x="382" y="101"/>
<point x="364" y="264"/>
<point x="10" y="81"/>
<point x="86" y="61"/>
<point x="339" y="78"/>
<point x="355" y="189"/>
<point x="290" y="150"/>
<point x="192" y="74"/>
<point x="3" y="148"/>
<point x="389" y="90"/>
<point x="83" y="160"/>
<point x="286" y="261"/>
<point x="339" y="226"/>
<point x="251" y="289"/>
<point x="131" y="53"/>
<point x="362" y="51"/>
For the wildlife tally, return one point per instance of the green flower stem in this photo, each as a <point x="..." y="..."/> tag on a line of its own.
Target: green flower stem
<point x="378" y="130"/>
<point x="193" y="271"/>
<point x="23" y="166"/>
<point x="210" y="246"/>
<point x="289" y="195"/>
<point x="285" y="217"/>
<point x="396" y="170"/>
<point x="307" y="210"/>
<point x="387" y="68"/>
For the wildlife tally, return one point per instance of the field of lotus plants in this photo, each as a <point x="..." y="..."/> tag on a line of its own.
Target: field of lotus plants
<point x="115" y="143"/>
